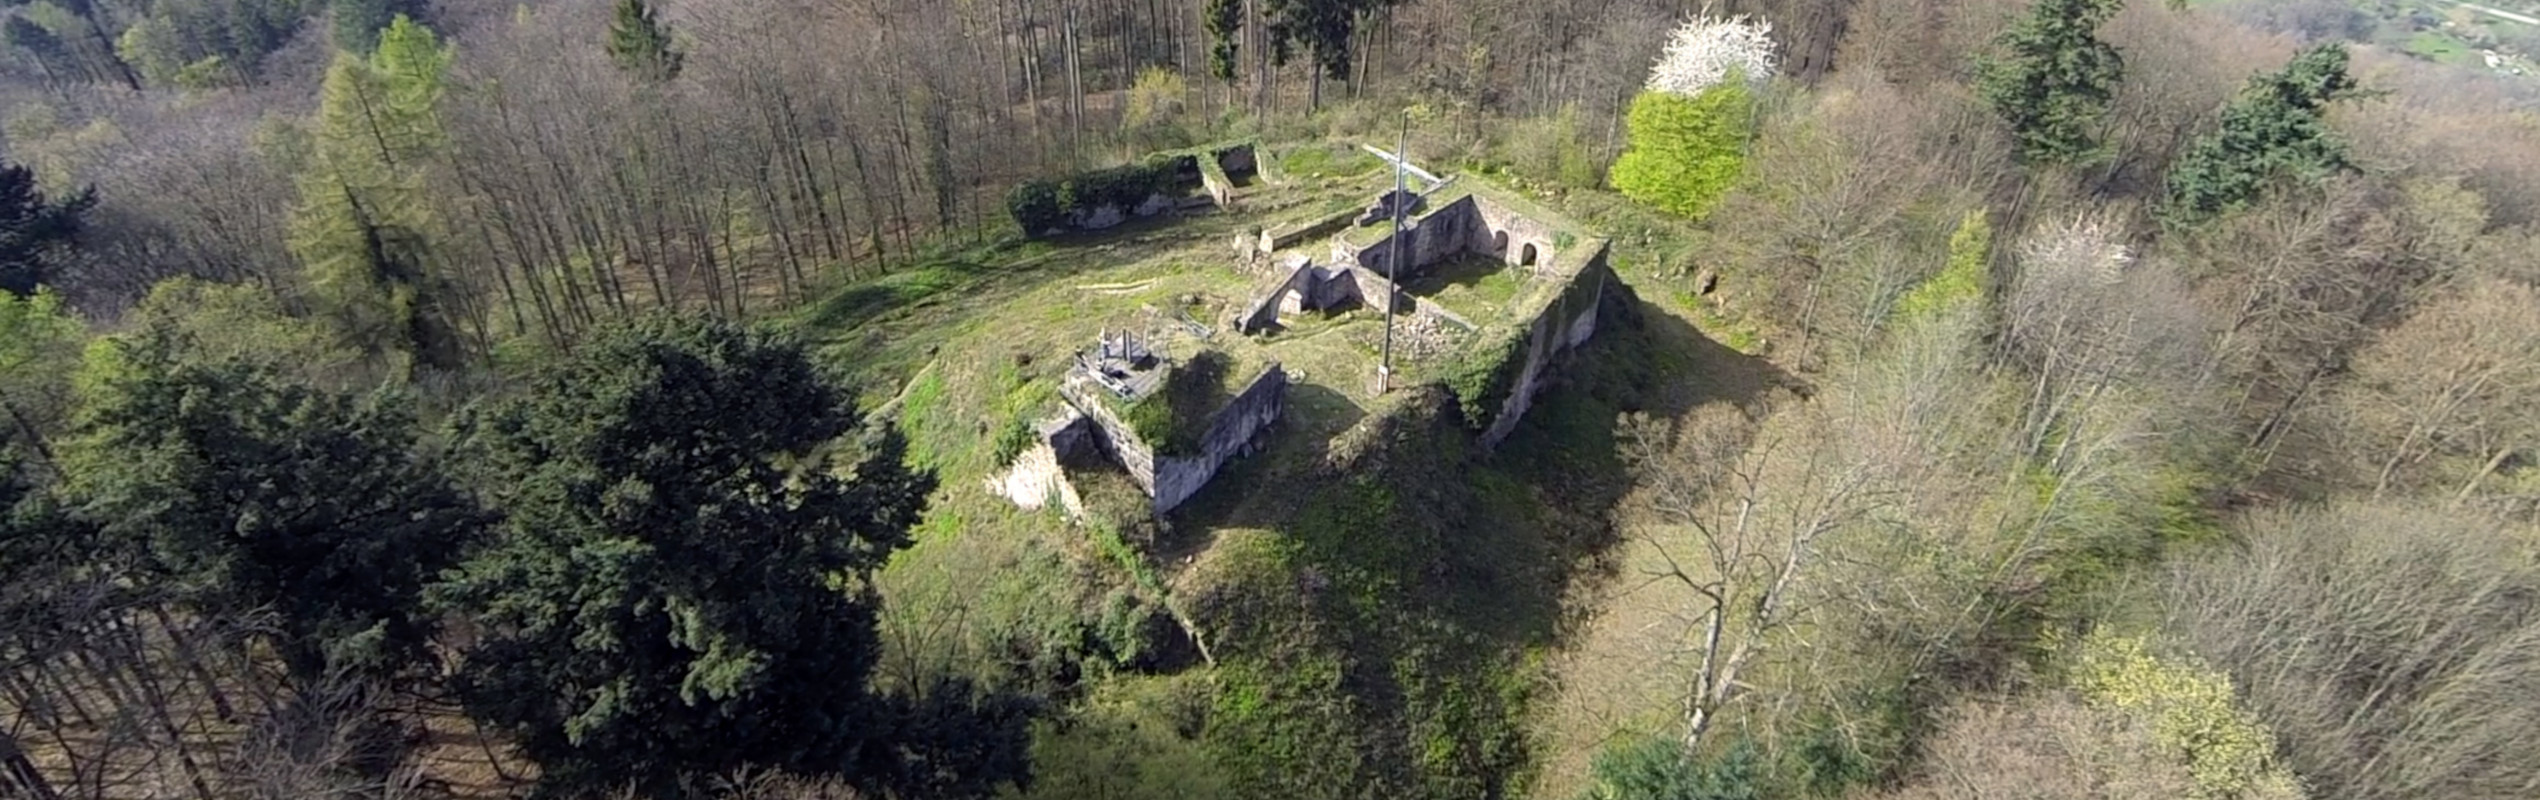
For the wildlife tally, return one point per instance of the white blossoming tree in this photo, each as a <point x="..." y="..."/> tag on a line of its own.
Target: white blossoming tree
<point x="1706" y="51"/>
<point x="1689" y="129"/>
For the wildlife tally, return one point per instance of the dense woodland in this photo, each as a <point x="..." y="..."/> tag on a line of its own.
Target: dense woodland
<point x="2075" y="399"/>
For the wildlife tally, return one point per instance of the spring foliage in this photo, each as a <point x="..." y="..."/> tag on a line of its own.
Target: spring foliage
<point x="1961" y="283"/>
<point x="365" y="226"/>
<point x="2228" y="752"/>
<point x="1686" y="152"/>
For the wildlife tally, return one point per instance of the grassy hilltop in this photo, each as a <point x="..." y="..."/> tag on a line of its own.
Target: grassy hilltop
<point x="1379" y="596"/>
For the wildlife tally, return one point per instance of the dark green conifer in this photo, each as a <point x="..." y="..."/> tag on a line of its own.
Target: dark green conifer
<point x="2274" y="129"/>
<point x="642" y="45"/>
<point x="2053" y="79"/>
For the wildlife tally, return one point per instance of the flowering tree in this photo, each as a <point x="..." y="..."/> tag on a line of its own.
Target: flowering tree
<point x="1705" y="51"/>
<point x="1689" y="129"/>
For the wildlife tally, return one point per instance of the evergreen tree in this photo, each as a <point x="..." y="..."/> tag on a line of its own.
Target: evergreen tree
<point x="35" y="234"/>
<point x="1224" y="20"/>
<point x="681" y="588"/>
<point x="39" y="349"/>
<point x="359" y="23"/>
<point x="365" y="227"/>
<point x="642" y="45"/>
<point x="246" y="492"/>
<point x="2274" y="129"/>
<point x="2054" y="79"/>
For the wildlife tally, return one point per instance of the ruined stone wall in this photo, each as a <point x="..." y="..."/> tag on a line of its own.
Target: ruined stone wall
<point x="1266" y="307"/>
<point x="1504" y="233"/>
<point x="1565" y="322"/>
<point x="1173" y="479"/>
<point x="1230" y="434"/>
<point x="1112" y="435"/>
<point x="1471" y="224"/>
<point x="1038" y="475"/>
<point x="1435" y="236"/>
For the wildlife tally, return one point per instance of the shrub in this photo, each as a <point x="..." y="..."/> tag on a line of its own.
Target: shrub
<point x="1172" y="419"/>
<point x="1035" y="207"/>
<point x="1043" y="206"/>
<point x="1012" y="440"/>
<point x="2228" y="752"/>
<point x="1655" y="768"/>
<point x="1685" y="153"/>
<point x="1959" y="283"/>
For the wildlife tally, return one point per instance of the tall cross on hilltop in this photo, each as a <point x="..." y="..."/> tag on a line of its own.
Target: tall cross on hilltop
<point x="1393" y="256"/>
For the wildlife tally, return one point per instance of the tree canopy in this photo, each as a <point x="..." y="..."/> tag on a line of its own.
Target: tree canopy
<point x="2053" y="79"/>
<point x="36" y="233"/>
<point x="679" y="589"/>
<point x="247" y="492"/>
<point x="2274" y="129"/>
<point x="364" y="226"/>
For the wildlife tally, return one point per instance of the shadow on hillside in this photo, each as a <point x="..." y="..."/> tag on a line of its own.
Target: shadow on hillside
<point x="1566" y="450"/>
<point x="1248" y="492"/>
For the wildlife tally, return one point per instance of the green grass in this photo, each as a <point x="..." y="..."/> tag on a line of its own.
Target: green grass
<point x="2441" y="47"/>
<point x="1327" y="160"/>
<point x="1476" y="286"/>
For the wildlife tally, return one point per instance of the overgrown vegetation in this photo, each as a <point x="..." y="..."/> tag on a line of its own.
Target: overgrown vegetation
<point x="1040" y="207"/>
<point x="1176" y="415"/>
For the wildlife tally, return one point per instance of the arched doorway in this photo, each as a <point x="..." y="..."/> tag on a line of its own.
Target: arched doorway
<point x="1499" y="242"/>
<point x="1526" y="257"/>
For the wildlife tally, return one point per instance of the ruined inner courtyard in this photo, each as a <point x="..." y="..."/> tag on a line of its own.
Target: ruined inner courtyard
<point x="1291" y="321"/>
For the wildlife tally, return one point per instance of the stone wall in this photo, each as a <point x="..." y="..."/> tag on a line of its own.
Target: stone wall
<point x="1231" y="433"/>
<point x="1568" y="320"/>
<point x="1170" y="480"/>
<point x="1470" y="224"/>
<point x="1037" y="475"/>
<point x="1295" y="289"/>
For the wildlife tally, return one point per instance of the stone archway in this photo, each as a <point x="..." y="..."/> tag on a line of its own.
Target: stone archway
<point x="1499" y="243"/>
<point x="1526" y="257"/>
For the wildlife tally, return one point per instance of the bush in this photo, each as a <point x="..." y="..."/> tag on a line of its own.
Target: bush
<point x="1043" y="206"/>
<point x="1655" y="768"/>
<point x="1959" y="283"/>
<point x="1173" y="418"/>
<point x="1685" y="153"/>
<point x="1034" y="205"/>
<point x="1012" y="440"/>
<point x="2193" y="713"/>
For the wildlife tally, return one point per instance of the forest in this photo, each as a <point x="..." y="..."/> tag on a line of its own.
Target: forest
<point x="425" y="399"/>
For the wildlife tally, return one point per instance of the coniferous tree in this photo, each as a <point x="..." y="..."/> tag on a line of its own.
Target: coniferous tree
<point x="681" y="588"/>
<point x="1224" y="20"/>
<point x="243" y="491"/>
<point x="642" y="45"/>
<point x="365" y="226"/>
<point x="359" y="23"/>
<point x="2274" y="129"/>
<point x="35" y="233"/>
<point x="2054" y="79"/>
